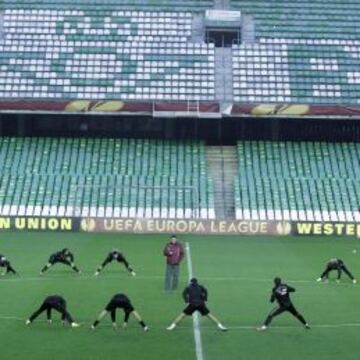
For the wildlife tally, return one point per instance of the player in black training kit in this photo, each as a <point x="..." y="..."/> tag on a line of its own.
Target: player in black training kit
<point x="53" y="302"/>
<point x="119" y="257"/>
<point x="195" y="295"/>
<point x="281" y="293"/>
<point x="336" y="264"/>
<point x="64" y="257"/>
<point x="120" y="301"/>
<point x="4" y="262"/>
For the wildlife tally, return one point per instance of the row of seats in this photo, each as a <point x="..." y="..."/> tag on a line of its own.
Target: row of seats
<point x="104" y="177"/>
<point x="296" y="73"/>
<point x="297" y="199"/>
<point x="116" y="23"/>
<point x="101" y="156"/>
<point x="313" y="181"/>
<point x="103" y="7"/>
<point x="306" y="19"/>
<point x="89" y="55"/>
<point x="110" y="195"/>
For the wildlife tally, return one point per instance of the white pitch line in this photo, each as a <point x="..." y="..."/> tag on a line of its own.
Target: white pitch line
<point x="196" y="323"/>
<point x="241" y="327"/>
<point x="157" y="277"/>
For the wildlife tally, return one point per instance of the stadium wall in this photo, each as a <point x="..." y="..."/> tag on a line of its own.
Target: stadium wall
<point x="214" y="131"/>
<point x="178" y="226"/>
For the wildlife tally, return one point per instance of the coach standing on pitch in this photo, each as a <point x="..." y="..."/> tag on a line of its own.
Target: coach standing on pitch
<point x="174" y="252"/>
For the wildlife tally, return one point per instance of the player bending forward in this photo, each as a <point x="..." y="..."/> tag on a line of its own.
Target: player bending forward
<point x="119" y="257"/>
<point x="281" y="293"/>
<point x="64" y="256"/>
<point x="195" y="295"/>
<point x="53" y="302"/>
<point x="5" y="263"/>
<point x="336" y="264"/>
<point x="120" y="301"/>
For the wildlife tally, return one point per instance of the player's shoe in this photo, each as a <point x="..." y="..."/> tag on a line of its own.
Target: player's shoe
<point x="75" y="325"/>
<point x="307" y="327"/>
<point x="262" y="328"/>
<point x="28" y="322"/>
<point x="354" y="281"/>
<point x="96" y="273"/>
<point x="41" y="273"/>
<point x="171" y="327"/>
<point x="146" y="328"/>
<point x="50" y="321"/>
<point x="221" y="327"/>
<point x="133" y="273"/>
<point x="93" y="327"/>
<point x="319" y="279"/>
<point x="338" y="281"/>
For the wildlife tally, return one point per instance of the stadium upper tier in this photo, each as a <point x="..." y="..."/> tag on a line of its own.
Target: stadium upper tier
<point x="99" y="54"/>
<point x="296" y="73"/>
<point x="305" y="52"/>
<point x="312" y="181"/>
<point x="306" y="20"/>
<point x="108" y="5"/>
<point x="98" y="177"/>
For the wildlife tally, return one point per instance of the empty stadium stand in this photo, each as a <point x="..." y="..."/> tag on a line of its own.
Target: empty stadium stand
<point x="51" y="52"/>
<point x="307" y="19"/>
<point x="305" y="52"/>
<point x="313" y="181"/>
<point x="321" y="74"/>
<point x="108" y="5"/>
<point x="104" y="177"/>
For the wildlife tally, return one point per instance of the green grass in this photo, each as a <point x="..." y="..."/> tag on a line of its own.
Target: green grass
<point x="237" y="271"/>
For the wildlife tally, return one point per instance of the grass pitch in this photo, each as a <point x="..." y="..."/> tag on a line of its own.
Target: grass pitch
<point x="238" y="273"/>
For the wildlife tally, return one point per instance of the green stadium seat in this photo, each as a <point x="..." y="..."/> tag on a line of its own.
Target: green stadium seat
<point x="306" y="181"/>
<point x="104" y="177"/>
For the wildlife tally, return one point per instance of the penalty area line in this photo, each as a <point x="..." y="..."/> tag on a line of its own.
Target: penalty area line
<point x="196" y="323"/>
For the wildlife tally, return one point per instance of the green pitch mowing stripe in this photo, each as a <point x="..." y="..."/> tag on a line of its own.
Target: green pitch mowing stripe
<point x="238" y="273"/>
<point x="86" y="296"/>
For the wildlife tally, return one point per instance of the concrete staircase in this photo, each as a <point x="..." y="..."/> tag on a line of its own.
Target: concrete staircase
<point x="222" y="166"/>
<point x="223" y="75"/>
<point x="1" y="25"/>
<point x="248" y="29"/>
<point x="222" y="4"/>
<point x="198" y="29"/>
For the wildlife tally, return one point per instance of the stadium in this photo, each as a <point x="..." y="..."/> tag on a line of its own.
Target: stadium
<point x="231" y="125"/>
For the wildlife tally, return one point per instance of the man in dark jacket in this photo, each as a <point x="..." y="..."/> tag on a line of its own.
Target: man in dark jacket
<point x="174" y="253"/>
<point x="53" y="302"/>
<point x="281" y="293"/>
<point x="195" y="296"/>
<point x="339" y="266"/>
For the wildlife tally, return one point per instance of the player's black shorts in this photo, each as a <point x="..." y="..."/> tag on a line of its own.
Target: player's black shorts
<point x="202" y="309"/>
<point x="54" y="259"/>
<point x="113" y="305"/>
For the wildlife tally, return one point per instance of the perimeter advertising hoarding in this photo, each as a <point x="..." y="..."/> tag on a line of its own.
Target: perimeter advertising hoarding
<point x="186" y="226"/>
<point x="220" y="227"/>
<point x="39" y="223"/>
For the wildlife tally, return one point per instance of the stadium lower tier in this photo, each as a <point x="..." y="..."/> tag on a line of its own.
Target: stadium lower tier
<point x="298" y="199"/>
<point x="313" y="181"/>
<point x="110" y="196"/>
